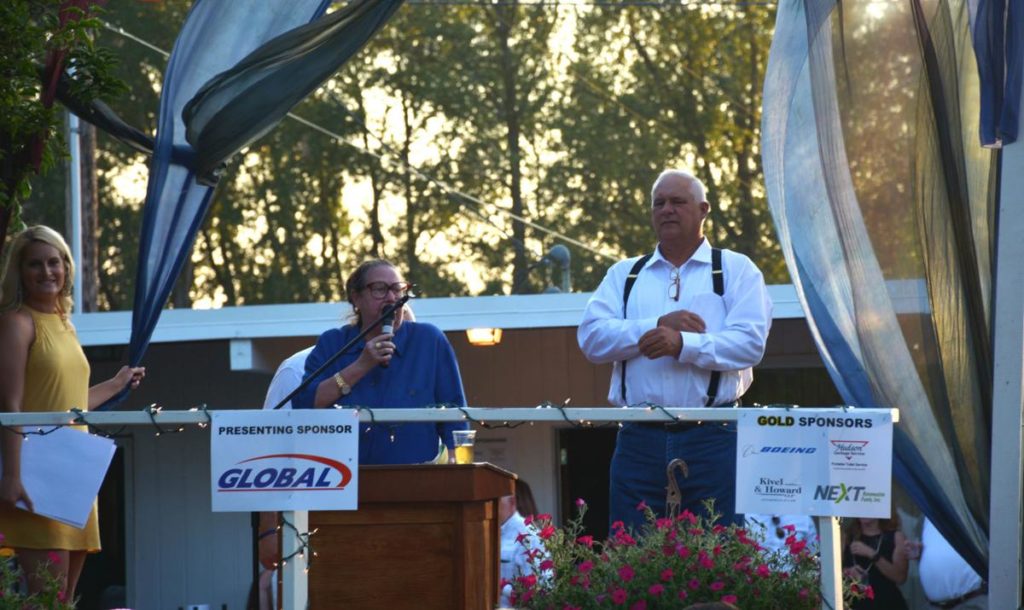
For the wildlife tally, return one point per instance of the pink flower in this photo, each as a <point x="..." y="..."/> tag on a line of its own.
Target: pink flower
<point x="62" y="597"/>
<point x="521" y="537"/>
<point x="626" y="573"/>
<point x="663" y="524"/>
<point x="797" y="547"/>
<point x="803" y="594"/>
<point x="642" y="506"/>
<point x="717" y="585"/>
<point x="718" y="529"/>
<point x="869" y="592"/>
<point x="586" y="567"/>
<point x="547" y="532"/>
<point x="640" y="605"/>
<point x="587" y="541"/>
<point x="618" y="525"/>
<point x="53" y="557"/>
<point x="696" y="532"/>
<point x="717" y="550"/>
<point x="544" y="517"/>
<point x="763" y="571"/>
<point x="684" y="552"/>
<point x="656" y="590"/>
<point x="682" y="595"/>
<point x="705" y="561"/>
<point x="667" y="574"/>
<point x="619" y="596"/>
<point x="527" y="581"/>
<point x="547" y="564"/>
<point x="694" y="584"/>
<point x="528" y="519"/>
<point x="729" y="599"/>
<point x="622" y="537"/>
<point x="686" y="515"/>
<point x="580" y="502"/>
<point x="789" y="528"/>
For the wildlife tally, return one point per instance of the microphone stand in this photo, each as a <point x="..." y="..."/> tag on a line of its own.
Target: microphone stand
<point x="388" y="311"/>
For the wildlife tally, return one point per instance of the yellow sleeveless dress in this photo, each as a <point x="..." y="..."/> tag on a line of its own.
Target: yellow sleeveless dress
<point x="56" y="379"/>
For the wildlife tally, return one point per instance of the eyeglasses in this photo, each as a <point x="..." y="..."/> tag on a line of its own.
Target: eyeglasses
<point x="380" y="289"/>
<point x="673" y="287"/>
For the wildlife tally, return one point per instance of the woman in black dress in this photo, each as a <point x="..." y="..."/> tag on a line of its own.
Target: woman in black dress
<point x="873" y="552"/>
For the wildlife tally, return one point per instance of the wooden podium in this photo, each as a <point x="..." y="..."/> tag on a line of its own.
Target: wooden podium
<point x="425" y="537"/>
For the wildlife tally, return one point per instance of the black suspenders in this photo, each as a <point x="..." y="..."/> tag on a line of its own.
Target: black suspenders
<point x="718" y="283"/>
<point x="630" y="280"/>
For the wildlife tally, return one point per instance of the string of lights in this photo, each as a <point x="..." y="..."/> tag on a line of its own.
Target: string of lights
<point x="304" y="548"/>
<point x="175" y="421"/>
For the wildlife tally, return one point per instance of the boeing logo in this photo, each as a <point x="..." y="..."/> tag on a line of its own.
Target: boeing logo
<point x="778" y="449"/>
<point x="322" y="474"/>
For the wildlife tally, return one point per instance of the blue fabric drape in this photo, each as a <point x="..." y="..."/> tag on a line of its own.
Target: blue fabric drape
<point x="215" y="36"/>
<point x="239" y="105"/>
<point x="997" y="27"/>
<point x="883" y="202"/>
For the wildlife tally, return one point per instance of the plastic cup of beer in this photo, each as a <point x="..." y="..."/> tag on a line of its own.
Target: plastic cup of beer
<point x="464" y="440"/>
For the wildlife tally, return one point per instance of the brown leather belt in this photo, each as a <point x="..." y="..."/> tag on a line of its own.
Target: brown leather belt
<point x="955" y="601"/>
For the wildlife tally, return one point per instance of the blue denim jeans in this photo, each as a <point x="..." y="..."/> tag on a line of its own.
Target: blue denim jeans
<point x="642" y="454"/>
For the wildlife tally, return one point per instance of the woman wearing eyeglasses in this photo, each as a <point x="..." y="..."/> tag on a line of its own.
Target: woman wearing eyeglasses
<point x="413" y="366"/>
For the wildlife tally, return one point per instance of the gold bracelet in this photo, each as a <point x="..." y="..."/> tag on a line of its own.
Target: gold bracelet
<point x="342" y="384"/>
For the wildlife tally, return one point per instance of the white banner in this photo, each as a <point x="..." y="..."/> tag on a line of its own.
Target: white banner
<point x="303" y="459"/>
<point x="823" y="462"/>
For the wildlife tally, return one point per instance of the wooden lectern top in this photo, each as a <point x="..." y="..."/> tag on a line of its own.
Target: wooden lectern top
<point x="434" y="483"/>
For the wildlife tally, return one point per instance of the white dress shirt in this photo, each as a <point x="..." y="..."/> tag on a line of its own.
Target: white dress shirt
<point x="944" y="573"/>
<point x="734" y="341"/>
<point x="287" y="378"/>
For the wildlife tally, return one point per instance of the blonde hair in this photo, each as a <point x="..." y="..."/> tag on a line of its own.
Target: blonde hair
<point x="11" y="296"/>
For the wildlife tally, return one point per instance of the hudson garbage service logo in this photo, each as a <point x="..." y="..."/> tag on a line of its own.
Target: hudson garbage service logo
<point x="849" y="455"/>
<point x="278" y="472"/>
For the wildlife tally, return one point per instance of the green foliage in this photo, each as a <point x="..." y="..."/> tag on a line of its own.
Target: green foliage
<point x="563" y="117"/>
<point x="671" y="563"/>
<point x="30" y="129"/>
<point x="51" y="596"/>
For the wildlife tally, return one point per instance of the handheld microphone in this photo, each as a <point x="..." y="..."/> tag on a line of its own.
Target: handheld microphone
<point x="387" y="326"/>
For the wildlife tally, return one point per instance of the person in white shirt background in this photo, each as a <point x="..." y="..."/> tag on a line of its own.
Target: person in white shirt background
<point x="774" y="530"/>
<point x="947" y="580"/>
<point x="517" y="538"/>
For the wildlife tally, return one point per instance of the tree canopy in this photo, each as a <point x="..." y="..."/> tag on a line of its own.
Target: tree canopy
<point x="453" y="125"/>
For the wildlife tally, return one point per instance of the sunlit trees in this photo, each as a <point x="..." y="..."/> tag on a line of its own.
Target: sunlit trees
<point x="454" y="121"/>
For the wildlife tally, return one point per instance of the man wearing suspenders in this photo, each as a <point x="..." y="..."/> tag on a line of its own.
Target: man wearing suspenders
<point x="684" y="326"/>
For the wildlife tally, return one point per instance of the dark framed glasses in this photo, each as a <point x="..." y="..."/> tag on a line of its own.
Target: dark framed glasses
<point x="380" y="289"/>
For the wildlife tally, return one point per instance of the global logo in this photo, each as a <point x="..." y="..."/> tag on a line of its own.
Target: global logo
<point x="848" y="449"/>
<point x="276" y="472"/>
<point x="750" y="450"/>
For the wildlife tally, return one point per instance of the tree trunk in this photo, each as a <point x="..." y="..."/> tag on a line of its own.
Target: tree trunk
<point x="411" y="208"/>
<point x="505" y="16"/>
<point x="89" y="267"/>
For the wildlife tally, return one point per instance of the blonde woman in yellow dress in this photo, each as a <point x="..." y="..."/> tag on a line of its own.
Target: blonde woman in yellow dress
<point x="43" y="368"/>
